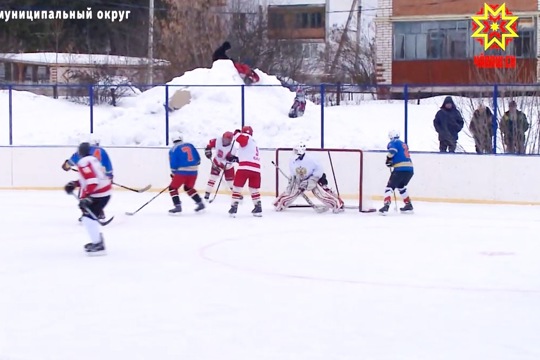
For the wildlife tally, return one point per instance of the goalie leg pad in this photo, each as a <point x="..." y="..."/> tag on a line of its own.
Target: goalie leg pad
<point x="327" y="198"/>
<point x="285" y="200"/>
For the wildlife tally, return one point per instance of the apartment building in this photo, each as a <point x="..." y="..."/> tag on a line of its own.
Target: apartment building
<point x="429" y="42"/>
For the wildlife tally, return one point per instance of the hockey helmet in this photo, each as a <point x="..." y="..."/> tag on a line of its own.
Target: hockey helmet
<point x="393" y="134"/>
<point x="247" y="130"/>
<point x="176" y="137"/>
<point x="227" y="138"/>
<point x="84" y="149"/>
<point x="300" y="149"/>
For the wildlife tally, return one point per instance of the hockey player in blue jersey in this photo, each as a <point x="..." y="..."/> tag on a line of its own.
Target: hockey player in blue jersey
<point x="96" y="151"/>
<point x="399" y="160"/>
<point x="184" y="160"/>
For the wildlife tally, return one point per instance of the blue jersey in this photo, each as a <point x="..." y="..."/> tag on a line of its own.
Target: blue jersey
<point x="184" y="159"/>
<point x="100" y="154"/>
<point x="398" y="151"/>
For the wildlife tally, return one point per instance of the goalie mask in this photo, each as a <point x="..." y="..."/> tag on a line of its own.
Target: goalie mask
<point x="300" y="149"/>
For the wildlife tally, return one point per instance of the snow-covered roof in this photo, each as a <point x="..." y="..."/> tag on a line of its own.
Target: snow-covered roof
<point x="78" y="59"/>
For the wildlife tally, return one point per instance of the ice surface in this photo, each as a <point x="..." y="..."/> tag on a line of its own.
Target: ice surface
<point x="449" y="282"/>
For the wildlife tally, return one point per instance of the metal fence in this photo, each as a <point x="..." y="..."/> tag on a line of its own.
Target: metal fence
<point x="410" y="108"/>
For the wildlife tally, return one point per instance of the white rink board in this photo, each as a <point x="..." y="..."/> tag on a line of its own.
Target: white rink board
<point x="438" y="177"/>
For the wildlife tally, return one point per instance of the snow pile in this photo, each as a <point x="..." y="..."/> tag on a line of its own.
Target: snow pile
<point x="215" y="107"/>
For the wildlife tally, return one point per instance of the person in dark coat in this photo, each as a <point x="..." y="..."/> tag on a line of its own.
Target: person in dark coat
<point x="448" y="123"/>
<point x="481" y="128"/>
<point x="221" y="52"/>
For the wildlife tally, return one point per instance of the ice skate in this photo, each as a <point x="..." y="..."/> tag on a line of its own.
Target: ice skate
<point x="407" y="209"/>
<point x="176" y="210"/>
<point x="200" y="206"/>
<point x="257" y="210"/>
<point x="95" y="249"/>
<point x="233" y="210"/>
<point x="384" y="209"/>
<point x="206" y="196"/>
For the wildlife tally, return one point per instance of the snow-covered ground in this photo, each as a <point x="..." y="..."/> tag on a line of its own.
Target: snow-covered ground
<point x="450" y="282"/>
<point x="140" y="120"/>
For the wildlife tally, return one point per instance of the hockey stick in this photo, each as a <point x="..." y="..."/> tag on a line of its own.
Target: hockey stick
<point x="146" y="188"/>
<point x="92" y="215"/>
<point x="146" y="203"/>
<point x="141" y="190"/>
<point x="222" y="174"/>
<point x="317" y="208"/>
<point x="218" y="185"/>
<point x="333" y="173"/>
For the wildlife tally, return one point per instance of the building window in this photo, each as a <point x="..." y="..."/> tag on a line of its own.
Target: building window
<point x="308" y="20"/>
<point x="452" y="40"/>
<point x="43" y="74"/>
<point x="523" y="46"/>
<point x="276" y="21"/>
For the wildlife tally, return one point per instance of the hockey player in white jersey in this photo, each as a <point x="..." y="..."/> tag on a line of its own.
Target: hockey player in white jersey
<point x="307" y="175"/>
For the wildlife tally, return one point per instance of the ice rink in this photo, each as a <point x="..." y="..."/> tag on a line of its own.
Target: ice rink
<point x="451" y="282"/>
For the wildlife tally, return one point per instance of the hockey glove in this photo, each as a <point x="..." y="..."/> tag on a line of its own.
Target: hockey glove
<point x="322" y="180"/>
<point x="85" y="203"/>
<point x="389" y="162"/>
<point x="232" y="158"/>
<point x="70" y="186"/>
<point x="208" y="153"/>
<point x="66" y="166"/>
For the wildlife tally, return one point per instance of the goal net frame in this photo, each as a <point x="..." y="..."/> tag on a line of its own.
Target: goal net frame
<point x="330" y="174"/>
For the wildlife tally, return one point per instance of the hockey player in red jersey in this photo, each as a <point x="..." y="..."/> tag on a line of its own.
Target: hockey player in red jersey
<point x="223" y="146"/>
<point x="307" y="175"/>
<point x="246" y="154"/>
<point x="95" y="194"/>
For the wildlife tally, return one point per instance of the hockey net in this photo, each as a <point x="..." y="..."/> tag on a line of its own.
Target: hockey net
<point x="343" y="169"/>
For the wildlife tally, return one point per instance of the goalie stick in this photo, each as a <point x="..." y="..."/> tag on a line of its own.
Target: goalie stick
<point x="92" y="215"/>
<point x="141" y="190"/>
<point x="146" y="203"/>
<point x="317" y="208"/>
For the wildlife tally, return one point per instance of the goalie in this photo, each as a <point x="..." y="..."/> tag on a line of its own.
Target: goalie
<point x="307" y="175"/>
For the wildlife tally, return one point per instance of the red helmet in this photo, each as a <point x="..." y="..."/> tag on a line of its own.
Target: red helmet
<point x="247" y="130"/>
<point x="227" y="138"/>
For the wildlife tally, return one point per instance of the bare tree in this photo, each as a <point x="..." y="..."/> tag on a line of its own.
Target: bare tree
<point x="189" y="33"/>
<point x="355" y="63"/>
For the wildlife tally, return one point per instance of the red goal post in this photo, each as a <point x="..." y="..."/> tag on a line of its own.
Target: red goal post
<point x="343" y="169"/>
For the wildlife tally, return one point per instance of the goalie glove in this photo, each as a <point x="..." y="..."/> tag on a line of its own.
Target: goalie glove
<point x="208" y="153"/>
<point x="389" y="162"/>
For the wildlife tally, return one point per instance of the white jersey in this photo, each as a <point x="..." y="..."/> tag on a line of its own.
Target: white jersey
<point x="221" y="150"/>
<point x="92" y="178"/>
<point x="247" y="153"/>
<point x="304" y="167"/>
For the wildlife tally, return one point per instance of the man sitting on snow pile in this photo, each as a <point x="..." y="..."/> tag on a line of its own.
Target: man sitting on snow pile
<point x="249" y="76"/>
<point x="299" y="105"/>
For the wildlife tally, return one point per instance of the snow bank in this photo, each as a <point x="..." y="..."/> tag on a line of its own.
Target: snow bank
<point x="140" y="120"/>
